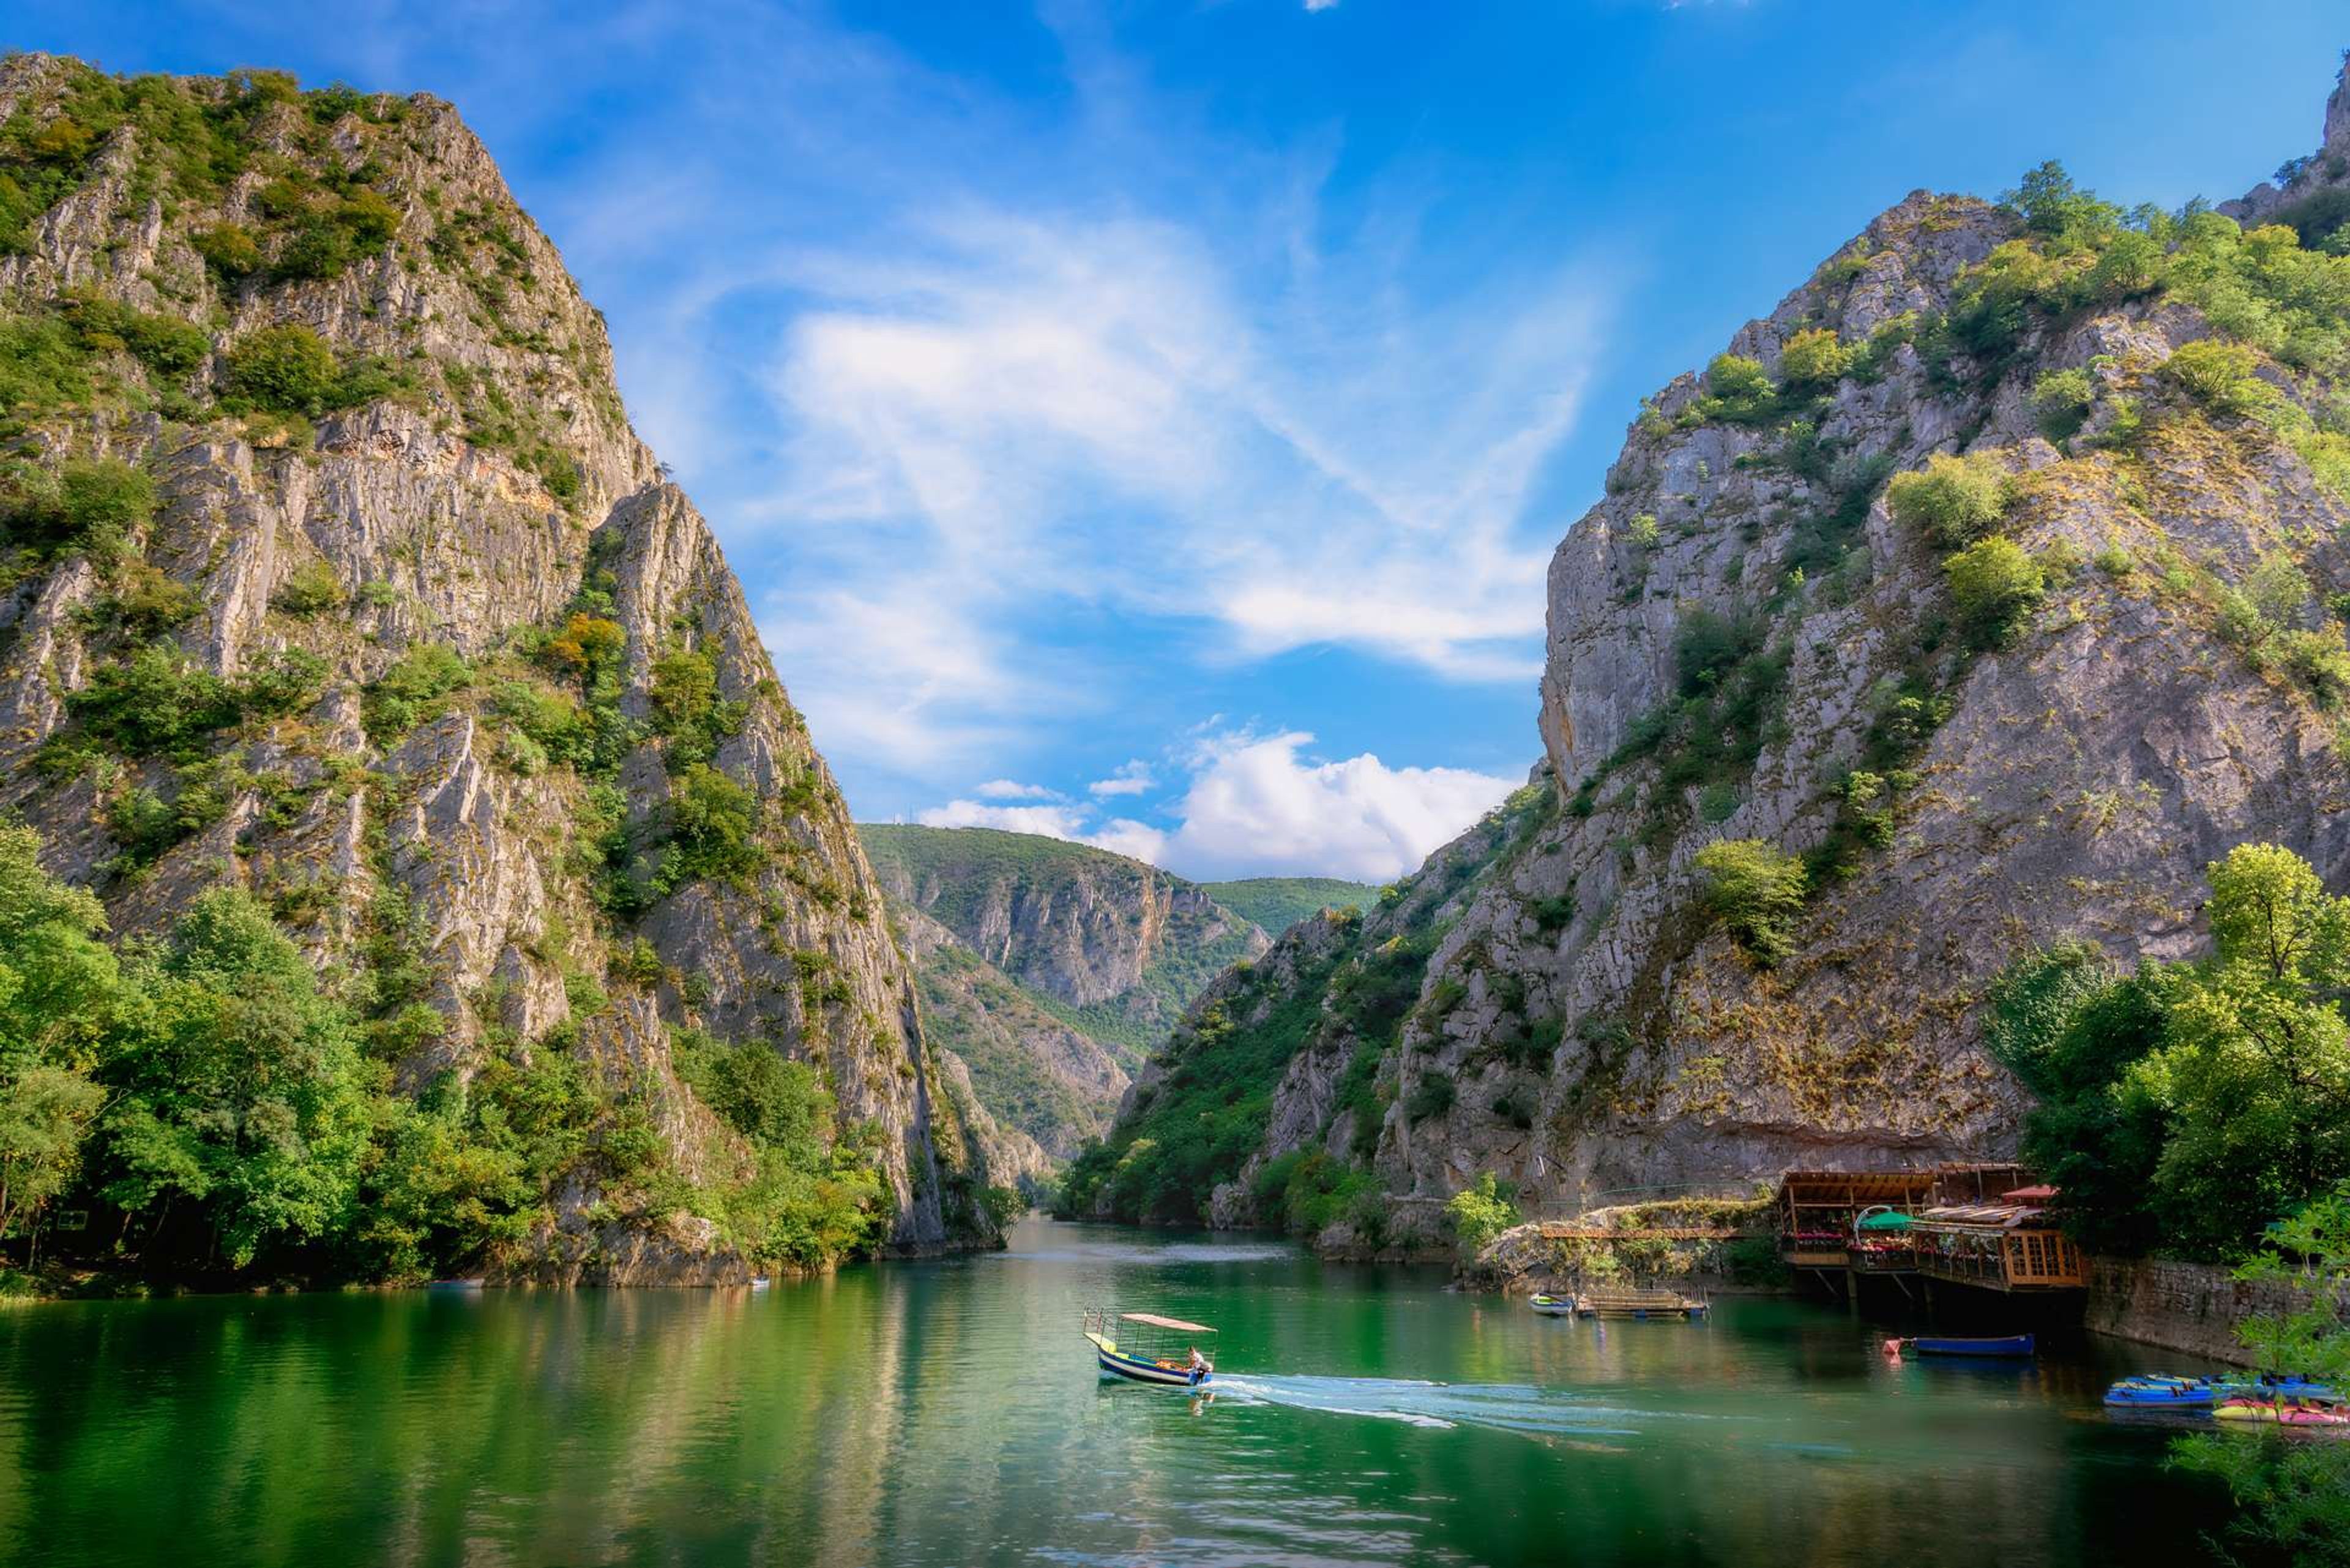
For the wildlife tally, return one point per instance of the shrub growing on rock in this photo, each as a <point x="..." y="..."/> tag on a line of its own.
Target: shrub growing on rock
<point x="1741" y="388"/>
<point x="1993" y="583"/>
<point x="285" y="370"/>
<point x="2061" y="400"/>
<point x="1953" y="500"/>
<point x="1813" y="360"/>
<point x="1755" y="890"/>
<point x="2222" y="377"/>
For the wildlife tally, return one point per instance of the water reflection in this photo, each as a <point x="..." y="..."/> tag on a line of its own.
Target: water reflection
<point x="946" y="1413"/>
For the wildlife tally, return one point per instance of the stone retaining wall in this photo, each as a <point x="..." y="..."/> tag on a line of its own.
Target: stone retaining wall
<point x="2188" y="1308"/>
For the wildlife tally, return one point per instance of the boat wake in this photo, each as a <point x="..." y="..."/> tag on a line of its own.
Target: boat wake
<point x="1502" y="1406"/>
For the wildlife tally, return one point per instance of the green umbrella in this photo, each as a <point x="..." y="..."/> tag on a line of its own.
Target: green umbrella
<point x="1891" y="1219"/>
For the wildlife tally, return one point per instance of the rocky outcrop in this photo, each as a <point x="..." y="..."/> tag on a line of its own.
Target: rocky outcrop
<point x="602" y="820"/>
<point x="1745" y="644"/>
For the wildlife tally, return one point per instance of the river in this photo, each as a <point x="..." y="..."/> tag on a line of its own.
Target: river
<point x="947" y="1413"/>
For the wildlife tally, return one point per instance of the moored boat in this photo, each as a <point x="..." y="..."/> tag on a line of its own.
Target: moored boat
<point x="2285" y="1412"/>
<point x="2006" y="1344"/>
<point x="1141" y="1346"/>
<point x="1553" y="1307"/>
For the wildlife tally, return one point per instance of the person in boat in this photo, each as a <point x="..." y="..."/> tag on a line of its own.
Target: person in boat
<point x="1200" y="1367"/>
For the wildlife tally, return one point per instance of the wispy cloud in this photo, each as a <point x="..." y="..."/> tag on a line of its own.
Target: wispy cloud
<point x="1129" y="778"/>
<point x="1012" y="789"/>
<point x="1040" y="407"/>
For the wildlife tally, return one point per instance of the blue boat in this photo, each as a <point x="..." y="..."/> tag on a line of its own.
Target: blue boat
<point x="1145" y="1351"/>
<point x="2010" y="1345"/>
<point x="2158" y="1390"/>
<point x="2161" y="1393"/>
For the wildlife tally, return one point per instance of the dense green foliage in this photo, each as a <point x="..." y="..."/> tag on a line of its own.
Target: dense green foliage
<point x="1756" y="890"/>
<point x="2294" y="1498"/>
<point x="1993" y="585"/>
<point x="227" y="1110"/>
<point x="1205" y="1115"/>
<point x="2189" y="1106"/>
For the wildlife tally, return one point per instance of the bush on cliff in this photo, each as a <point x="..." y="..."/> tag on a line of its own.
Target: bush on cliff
<point x="1953" y="500"/>
<point x="1756" y="890"/>
<point x="1993" y="585"/>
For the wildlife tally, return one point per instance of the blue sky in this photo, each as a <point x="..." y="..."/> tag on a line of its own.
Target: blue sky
<point x="1151" y="422"/>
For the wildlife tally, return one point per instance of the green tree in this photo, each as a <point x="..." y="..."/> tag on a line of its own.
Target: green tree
<point x="2254" y="1074"/>
<point x="2223" y="377"/>
<point x="60" y="995"/>
<point x="1756" y="890"/>
<point x="1813" y="358"/>
<point x="1481" y="1212"/>
<point x="287" y="369"/>
<point x="2070" y="1026"/>
<point x="243" y="1093"/>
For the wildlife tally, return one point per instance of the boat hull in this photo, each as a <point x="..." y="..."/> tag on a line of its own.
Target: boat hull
<point x="2013" y="1345"/>
<point x="1135" y="1370"/>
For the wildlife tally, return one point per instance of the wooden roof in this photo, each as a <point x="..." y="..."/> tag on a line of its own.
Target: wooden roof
<point x="1854" y="1186"/>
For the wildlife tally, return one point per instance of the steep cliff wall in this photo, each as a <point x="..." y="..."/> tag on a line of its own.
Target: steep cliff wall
<point x="418" y="645"/>
<point x="2047" y="739"/>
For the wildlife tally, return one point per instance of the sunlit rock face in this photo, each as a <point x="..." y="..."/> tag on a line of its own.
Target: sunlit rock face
<point x="484" y="490"/>
<point x="1745" y="643"/>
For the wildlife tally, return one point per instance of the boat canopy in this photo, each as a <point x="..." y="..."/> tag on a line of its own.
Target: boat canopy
<point x="1176" y="1323"/>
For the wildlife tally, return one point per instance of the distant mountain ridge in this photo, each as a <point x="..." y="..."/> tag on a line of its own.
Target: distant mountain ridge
<point x="1050" y="969"/>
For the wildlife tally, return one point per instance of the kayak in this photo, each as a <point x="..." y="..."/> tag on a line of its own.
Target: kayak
<point x="2284" y="1415"/>
<point x="2159" y="1390"/>
<point x="2179" y="1393"/>
<point x="2011" y="1345"/>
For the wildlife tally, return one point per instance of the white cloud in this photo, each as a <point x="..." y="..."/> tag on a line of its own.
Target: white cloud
<point x="1129" y="778"/>
<point x="1012" y="789"/>
<point x="1052" y="821"/>
<point x="1257" y="805"/>
<point x="1321" y="4"/>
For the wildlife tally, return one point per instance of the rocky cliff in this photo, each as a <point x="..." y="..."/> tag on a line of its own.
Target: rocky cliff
<point x="1991" y="586"/>
<point x="1047" y="967"/>
<point x="338" y="574"/>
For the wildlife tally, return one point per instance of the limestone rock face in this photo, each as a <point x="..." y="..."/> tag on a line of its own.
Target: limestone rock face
<point x="1583" y="1026"/>
<point x="486" y="487"/>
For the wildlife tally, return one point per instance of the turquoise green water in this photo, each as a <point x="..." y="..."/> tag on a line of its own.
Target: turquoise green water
<point x="947" y="1413"/>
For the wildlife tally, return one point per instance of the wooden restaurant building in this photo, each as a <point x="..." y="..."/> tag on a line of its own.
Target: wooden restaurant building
<point x="1985" y="1226"/>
